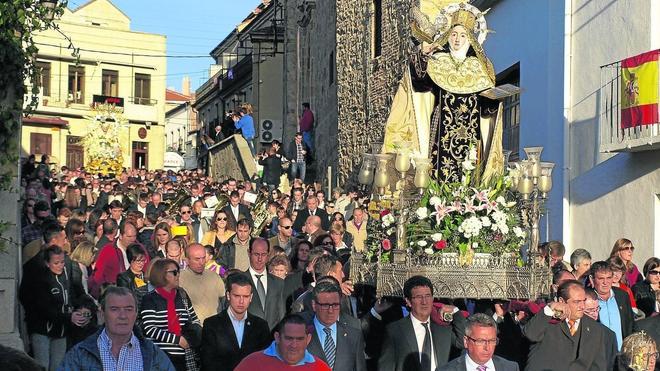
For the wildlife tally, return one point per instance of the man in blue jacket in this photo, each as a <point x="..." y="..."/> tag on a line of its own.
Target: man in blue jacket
<point x="246" y="125"/>
<point x="116" y="346"/>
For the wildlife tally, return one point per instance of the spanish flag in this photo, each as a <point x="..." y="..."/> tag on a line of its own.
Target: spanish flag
<point x="639" y="90"/>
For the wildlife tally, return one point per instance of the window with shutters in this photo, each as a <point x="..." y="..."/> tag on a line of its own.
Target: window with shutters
<point x="109" y="85"/>
<point x="76" y="84"/>
<point x="142" y="89"/>
<point x="44" y="78"/>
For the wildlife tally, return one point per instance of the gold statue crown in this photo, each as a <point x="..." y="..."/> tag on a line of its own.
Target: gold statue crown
<point x="464" y="18"/>
<point x="431" y="8"/>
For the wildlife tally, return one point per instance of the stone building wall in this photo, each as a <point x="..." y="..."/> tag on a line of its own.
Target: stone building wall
<point x="311" y="77"/>
<point x="366" y="84"/>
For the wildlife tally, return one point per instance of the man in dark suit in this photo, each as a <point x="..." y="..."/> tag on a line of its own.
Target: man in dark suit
<point x="415" y="343"/>
<point x="186" y="217"/>
<point x="156" y="206"/>
<point x="311" y="209"/>
<point x="233" y="334"/>
<point x="615" y="308"/>
<point x="236" y="211"/>
<point x="563" y="338"/>
<point x="480" y="340"/>
<point x="335" y="342"/>
<point x="592" y="309"/>
<point x="269" y="301"/>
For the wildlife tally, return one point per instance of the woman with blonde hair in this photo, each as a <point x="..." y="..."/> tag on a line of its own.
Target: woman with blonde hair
<point x="623" y="248"/>
<point x="83" y="254"/>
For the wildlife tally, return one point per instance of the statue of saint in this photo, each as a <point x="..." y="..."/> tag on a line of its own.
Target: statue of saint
<point x="437" y="111"/>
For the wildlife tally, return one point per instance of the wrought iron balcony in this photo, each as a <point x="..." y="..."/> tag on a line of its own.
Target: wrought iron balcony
<point x="614" y="135"/>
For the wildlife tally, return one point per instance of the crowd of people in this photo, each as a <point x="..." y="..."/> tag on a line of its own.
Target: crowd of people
<point x="148" y="270"/>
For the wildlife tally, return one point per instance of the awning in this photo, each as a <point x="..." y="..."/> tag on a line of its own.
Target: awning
<point x="52" y="121"/>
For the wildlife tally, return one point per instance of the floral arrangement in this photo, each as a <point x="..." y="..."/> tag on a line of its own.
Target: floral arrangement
<point x="102" y="146"/>
<point x="454" y="217"/>
<point x="460" y="217"/>
<point x="381" y="236"/>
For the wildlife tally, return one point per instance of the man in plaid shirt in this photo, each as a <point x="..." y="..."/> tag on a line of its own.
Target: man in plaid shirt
<point x="116" y="346"/>
<point x="298" y="155"/>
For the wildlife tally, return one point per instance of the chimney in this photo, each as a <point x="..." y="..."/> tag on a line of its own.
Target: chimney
<point x="185" y="86"/>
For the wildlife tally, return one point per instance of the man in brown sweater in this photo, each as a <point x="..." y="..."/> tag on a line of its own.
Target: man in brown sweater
<point x="205" y="288"/>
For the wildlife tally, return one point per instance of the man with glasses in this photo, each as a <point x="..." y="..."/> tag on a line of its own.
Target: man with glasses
<point x="615" y="308"/>
<point x="592" y="309"/>
<point x="186" y="217"/>
<point x="284" y="238"/>
<point x="480" y="341"/>
<point x="335" y="342"/>
<point x="415" y="343"/>
<point x="268" y="303"/>
<point x="563" y="338"/>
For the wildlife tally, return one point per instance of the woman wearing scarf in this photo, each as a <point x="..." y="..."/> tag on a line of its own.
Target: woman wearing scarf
<point x="164" y="312"/>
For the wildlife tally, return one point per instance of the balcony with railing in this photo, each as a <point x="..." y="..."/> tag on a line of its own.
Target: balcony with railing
<point x="627" y="122"/>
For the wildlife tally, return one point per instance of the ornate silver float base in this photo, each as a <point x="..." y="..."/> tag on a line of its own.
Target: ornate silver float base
<point x="487" y="277"/>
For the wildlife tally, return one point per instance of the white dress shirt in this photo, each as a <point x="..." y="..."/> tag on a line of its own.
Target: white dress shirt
<point x="471" y="365"/>
<point x="420" y="333"/>
<point x="234" y="210"/>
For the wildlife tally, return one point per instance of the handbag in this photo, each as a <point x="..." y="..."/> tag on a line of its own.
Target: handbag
<point x="193" y="334"/>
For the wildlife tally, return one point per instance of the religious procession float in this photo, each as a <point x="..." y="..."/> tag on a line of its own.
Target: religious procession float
<point x="446" y="203"/>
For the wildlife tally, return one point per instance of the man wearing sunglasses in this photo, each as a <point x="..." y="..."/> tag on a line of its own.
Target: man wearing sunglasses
<point x="335" y="342"/>
<point x="186" y="217"/>
<point x="480" y="340"/>
<point x="284" y="238"/>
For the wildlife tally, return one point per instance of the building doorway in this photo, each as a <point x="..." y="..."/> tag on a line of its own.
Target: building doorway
<point x="75" y="153"/>
<point x="140" y="155"/>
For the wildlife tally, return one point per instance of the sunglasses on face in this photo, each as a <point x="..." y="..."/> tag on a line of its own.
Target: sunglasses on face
<point x="286" y="226"/>
<point x="220" y="219"/>
<point x="654" y="273"/>
<point x="631" y="248"/>
<point x="186" y="212"/>
<point x="174" y="272"/>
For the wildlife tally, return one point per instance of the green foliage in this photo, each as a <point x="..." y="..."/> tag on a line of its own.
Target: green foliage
<point x="19" y="20"/>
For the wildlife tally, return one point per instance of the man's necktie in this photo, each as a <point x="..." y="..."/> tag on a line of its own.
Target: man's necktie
<point x="261" y="291"/>
<point x="571" y="326"/>
<point x="329" y="347"/>
<point x="482" y="368"/>
<point x="426" y="349"/>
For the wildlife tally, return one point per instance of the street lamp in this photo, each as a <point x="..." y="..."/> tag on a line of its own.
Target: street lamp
<point x="50" y="6"/>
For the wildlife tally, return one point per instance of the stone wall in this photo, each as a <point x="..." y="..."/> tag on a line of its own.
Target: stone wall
<point x="366" y="84"/>
<point x="311" y="77"/>
<point x="351" y="111"/>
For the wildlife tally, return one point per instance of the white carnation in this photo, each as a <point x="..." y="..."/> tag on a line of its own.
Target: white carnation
<point x="470" y="227"/>
<point x="422" y="243"/>
<point x="429" y="251"/>
<point x="519" y="232"/>
<point x="435" y="200"/>
<point x="436" y="237"/>
<point x="422" y="213"/>
<point x="485" y="221"/>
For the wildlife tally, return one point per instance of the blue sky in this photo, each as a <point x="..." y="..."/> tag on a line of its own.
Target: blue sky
<point x="192" y="27"/>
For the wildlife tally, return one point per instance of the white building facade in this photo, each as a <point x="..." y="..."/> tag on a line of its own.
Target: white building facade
<point x="602" y="190"/>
